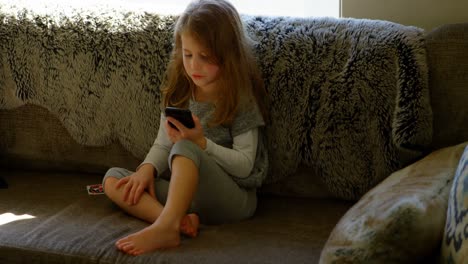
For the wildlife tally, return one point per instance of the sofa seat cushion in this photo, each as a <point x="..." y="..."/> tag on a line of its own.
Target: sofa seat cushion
<point x="63" y="224"/>
<point x="401" y="220"/>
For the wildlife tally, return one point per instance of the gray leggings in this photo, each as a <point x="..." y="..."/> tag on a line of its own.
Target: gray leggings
<point x="218" y="198"/>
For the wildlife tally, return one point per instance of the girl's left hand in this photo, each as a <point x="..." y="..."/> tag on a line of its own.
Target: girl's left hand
<point x="195" y="134"/>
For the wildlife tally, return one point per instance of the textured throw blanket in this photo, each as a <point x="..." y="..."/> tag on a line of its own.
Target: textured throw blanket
<point x="348" y="97"/>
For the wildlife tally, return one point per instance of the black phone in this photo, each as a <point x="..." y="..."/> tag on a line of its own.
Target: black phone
<point x="182" y="115"/>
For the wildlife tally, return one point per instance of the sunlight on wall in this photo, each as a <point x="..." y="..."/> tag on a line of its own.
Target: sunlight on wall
<point x="295" y="8"/>
<point x="9" y="217"/>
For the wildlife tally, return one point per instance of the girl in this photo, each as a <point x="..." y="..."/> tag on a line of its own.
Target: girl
<point x="214" y="167"/>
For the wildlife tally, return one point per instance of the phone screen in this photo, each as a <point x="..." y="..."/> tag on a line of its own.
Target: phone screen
<point x="182" y="115"/>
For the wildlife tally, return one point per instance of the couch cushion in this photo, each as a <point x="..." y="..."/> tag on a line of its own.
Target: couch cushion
<point x="448" y="83"/>
<point x="402" y="219"/>
<point x="69" y="226"/>
<point x="455" y="244"/>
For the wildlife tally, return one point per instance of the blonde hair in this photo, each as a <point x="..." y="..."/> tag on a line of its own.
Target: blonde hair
<point x="218" y="27"/>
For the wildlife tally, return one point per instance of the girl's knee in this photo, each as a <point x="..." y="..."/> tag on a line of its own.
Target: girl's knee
<point x="112" y="176"/>
<point x="187" y="149"/>
<point x="117" y="172"/>
<point x="109" y="185"/>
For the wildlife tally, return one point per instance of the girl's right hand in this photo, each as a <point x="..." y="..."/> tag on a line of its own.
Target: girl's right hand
<point x="137" y="183"/>
<point x="195" y="134"/>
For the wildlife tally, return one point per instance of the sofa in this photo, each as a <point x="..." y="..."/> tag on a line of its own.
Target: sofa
<point x="352" y="101"/>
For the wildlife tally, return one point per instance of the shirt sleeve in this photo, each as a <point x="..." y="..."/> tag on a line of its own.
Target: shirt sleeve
<point x="159" y="152"/>
<point x="248" y="117"/>
<point x="239" y="160"/>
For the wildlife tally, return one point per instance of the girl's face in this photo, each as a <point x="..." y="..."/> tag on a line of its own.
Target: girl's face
<point x="203" y="72"/>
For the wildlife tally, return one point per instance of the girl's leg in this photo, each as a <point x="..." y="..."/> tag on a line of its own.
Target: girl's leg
<point x="164" y="232"/>
<point x="148" y="208"/>
<point x="218" y="199"/>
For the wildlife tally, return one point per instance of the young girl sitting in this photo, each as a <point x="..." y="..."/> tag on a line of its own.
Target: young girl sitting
<point x="214" y="167"/>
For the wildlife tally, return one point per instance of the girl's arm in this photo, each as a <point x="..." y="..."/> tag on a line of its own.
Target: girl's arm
<point x="239" y="160"/>
<point x="159" y="152"/>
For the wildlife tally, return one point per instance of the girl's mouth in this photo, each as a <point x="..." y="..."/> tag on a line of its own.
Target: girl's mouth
<point x="196" y="76"/>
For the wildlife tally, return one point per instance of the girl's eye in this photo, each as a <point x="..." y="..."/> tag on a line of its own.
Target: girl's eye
<point x="204" y="57"/>
<point x="187" y="55"/>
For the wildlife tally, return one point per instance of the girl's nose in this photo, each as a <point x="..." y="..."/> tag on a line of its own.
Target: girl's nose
<point x="195" y="64"/>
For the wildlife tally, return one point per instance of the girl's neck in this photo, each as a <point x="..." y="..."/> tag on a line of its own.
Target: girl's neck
<point x="203" y="96"/>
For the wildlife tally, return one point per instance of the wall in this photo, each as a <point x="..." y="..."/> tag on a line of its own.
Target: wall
<point x="426" y="14"/>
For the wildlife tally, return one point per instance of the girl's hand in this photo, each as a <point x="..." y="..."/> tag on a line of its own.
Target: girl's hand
<point x="137" y="183"/>
<point x="195" y="134"/>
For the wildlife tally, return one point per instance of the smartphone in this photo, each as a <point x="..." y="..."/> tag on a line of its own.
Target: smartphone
<point x="182" y="115"/>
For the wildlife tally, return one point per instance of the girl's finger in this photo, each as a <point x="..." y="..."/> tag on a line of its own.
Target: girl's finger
<point x="138" y="192"/>
<point x="121" y="182"/>
<point x="131" y="196"/>
<point x="151" y="190"/>
<point x="179" y="126"/>
<point x="127" y="189"/>
<point x="196" y="120"/>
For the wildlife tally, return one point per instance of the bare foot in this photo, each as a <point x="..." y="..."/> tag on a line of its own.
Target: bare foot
<point x="189" y="225"/>
<point x="149" y="239"/>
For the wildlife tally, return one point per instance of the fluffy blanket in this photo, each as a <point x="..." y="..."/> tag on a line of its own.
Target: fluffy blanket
<point x="348" y="97"/>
